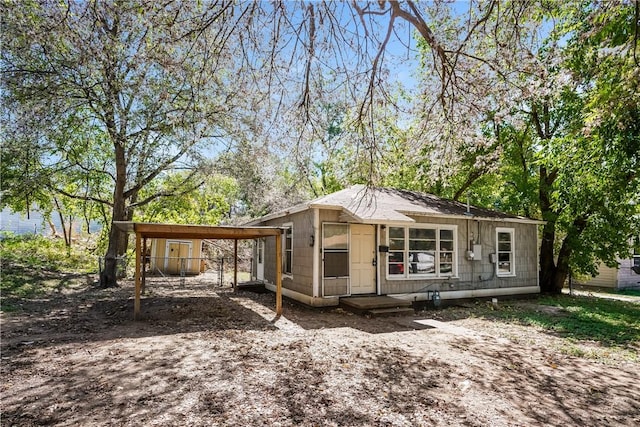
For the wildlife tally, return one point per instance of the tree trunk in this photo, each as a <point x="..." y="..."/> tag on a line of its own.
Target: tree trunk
<point x="555" y="276"/>
<point x="108" y="275"/>
<point x="67" y="240"/>
<point x="560" y="274"/>
<point x="548" y="268"/>
<point x="547" y="263"/>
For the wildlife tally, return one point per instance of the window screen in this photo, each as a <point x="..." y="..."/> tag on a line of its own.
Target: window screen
<point x="335" y="246"/>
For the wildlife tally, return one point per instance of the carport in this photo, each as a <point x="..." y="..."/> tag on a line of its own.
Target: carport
<point x="144" y="231"/>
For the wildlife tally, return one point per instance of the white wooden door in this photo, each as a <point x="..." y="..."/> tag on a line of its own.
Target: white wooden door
<point x="363" y="270"/>
<point x="260" y="259"/>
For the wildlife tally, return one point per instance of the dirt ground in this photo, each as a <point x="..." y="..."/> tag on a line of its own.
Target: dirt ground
<point x="203" y="355"/>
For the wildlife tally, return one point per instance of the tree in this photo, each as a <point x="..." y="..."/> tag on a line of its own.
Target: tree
<point x="117" y="94"/>
<point x="134" y="91"/>
<point x="558" y="100"/>
<point x="209" y="203"/>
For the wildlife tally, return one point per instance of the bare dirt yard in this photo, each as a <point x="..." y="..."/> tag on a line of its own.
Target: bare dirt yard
<point x="203" y="355"/>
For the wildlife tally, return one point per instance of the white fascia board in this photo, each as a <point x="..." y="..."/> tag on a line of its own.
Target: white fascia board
<point x="275" y="215"/>
<point x="327" y="207"/>
<point x="398" y="223"/>
<point x="516" y="220"/>
<point x="477" y="218"/>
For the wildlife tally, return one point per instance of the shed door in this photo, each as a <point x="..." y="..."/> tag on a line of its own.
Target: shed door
<point x="178" y="258"/>
<point x="363" y="270"/>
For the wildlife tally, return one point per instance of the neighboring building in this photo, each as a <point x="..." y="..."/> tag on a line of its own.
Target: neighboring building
<point x="35" y="223"/>
<point x="625" y="276"/>
<point x="363" y="241"/>
<point x="173" y="257"/>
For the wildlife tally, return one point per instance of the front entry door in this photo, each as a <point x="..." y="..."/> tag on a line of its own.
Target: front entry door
<point x="363" y="253"/>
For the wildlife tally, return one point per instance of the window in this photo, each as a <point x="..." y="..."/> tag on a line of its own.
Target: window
<point x="636" y="257"/>
<point x="335" y="246"/>
<point x="288" y="249"/>
<point x="422" y="251"/>
<point x="505" y="253"/>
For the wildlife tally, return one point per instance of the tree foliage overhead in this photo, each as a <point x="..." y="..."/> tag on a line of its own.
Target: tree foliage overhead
<point x="107" y="96"/>
<point x="546" y="124"/>
<point x="529" y="107"/>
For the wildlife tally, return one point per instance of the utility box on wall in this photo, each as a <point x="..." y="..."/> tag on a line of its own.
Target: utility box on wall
<point x="477" y="252"/>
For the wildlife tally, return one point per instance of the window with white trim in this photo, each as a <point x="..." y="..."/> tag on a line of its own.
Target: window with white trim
<point x="422" y="251"/>
<point x="505" y="263"/>
<point x="287" y="247"/>
<point x="636" y="257"/>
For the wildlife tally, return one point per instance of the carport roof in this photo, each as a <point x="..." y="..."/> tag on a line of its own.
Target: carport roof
<point x="179" y="231"/>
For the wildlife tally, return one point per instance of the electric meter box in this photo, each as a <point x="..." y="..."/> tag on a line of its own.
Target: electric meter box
<point x="477" y="252"/>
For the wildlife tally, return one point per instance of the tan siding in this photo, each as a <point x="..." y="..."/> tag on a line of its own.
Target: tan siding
<point x="474" y="274"/>
<point x="336" y="287"/>
<point x="471" y="274"/>
<point x="301" y="279"/>
<point x="606" y="278"/>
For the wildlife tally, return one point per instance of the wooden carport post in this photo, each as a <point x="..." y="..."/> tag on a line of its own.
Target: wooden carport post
<point x="144" y="265"/>
<point x="136" y="304"/>
<point x="235" y="264"/>
<point x="278" y="238"/>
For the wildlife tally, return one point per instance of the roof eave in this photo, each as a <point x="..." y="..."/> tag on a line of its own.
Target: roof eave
<point x="479" y="218"/>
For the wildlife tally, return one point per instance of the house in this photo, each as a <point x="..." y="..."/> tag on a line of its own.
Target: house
<point x="404" y="244"/>
<point x="174" y="256"/>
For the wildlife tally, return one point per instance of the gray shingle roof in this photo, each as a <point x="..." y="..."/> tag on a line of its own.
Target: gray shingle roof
<point x="382" y="205"/>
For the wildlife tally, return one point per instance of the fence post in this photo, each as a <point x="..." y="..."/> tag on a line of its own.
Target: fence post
<point x="222" y="271"/>
<point x="235" y="264"/>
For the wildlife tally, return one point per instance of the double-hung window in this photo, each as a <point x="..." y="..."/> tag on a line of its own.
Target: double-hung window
<point x="287" y="247"/>
<point x="422" y="251"/>
<point x="505" y="265"/>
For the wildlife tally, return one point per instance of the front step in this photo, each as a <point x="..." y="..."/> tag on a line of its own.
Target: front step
<point x="256" y="286"/>
<point x="376" y="305"/>
<point x="389" y="311"/>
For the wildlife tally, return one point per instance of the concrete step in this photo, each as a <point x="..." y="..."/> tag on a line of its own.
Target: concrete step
<point x="376" y="305"/>
<point x="379" y="312"/>
<point x="374" y="301"/>
<point x="252" y="286"/>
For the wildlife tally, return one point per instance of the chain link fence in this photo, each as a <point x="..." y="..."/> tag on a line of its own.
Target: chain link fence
<point x="122" y="265"/>
<point x="216" y="272"/>
<point x="214" y="268"/>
